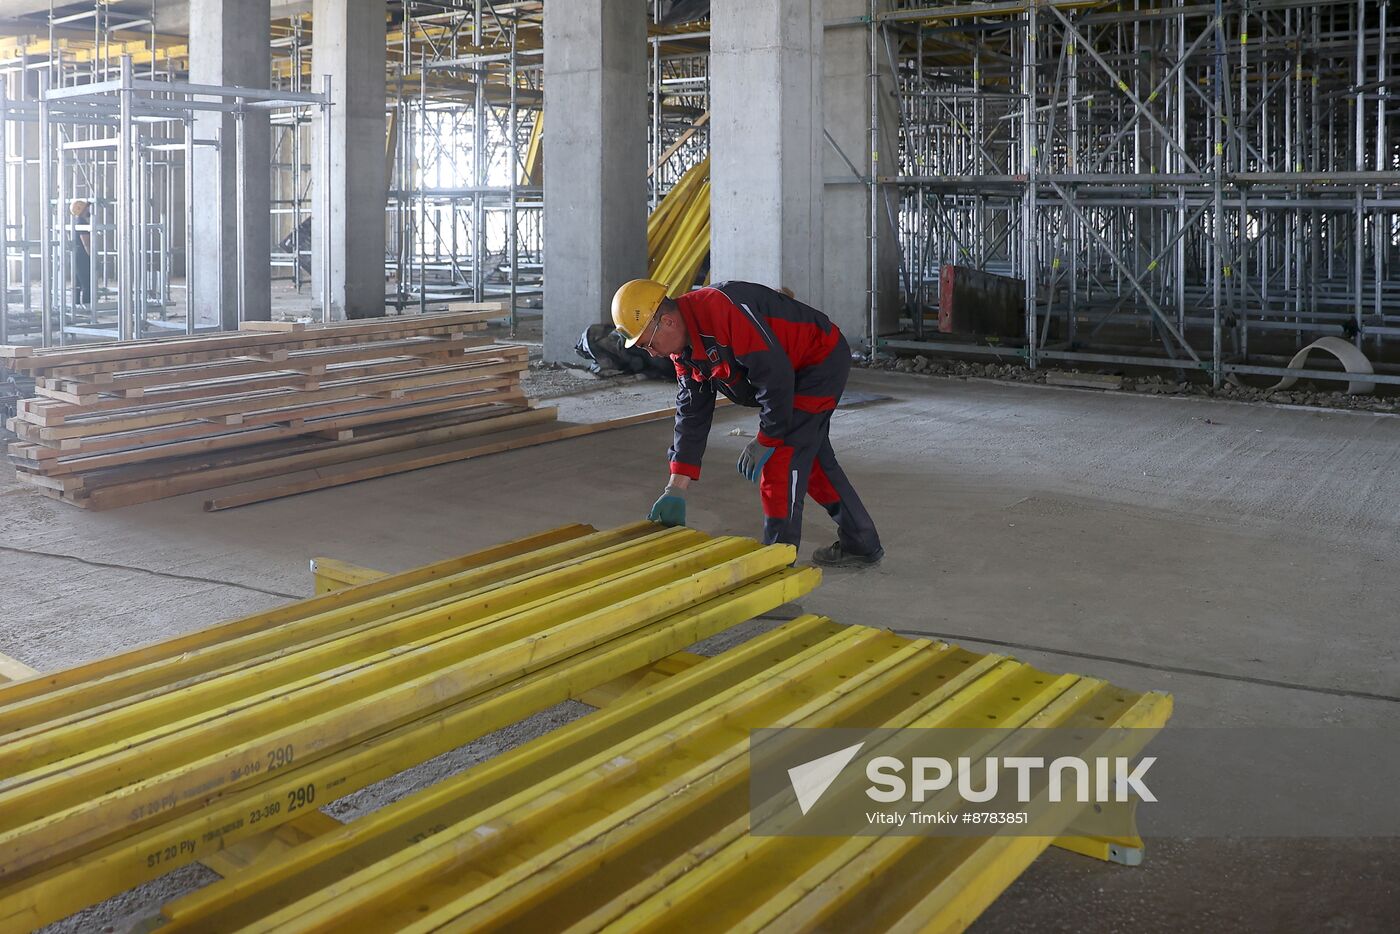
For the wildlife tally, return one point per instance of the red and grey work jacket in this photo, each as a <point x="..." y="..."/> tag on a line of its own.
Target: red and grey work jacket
<point x="750" y="343"/>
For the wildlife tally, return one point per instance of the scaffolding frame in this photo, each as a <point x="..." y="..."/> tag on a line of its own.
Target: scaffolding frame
<point x="465" y="220"/>
<point x="69" y="54"/>
<point x="125" y="143"/>
<point x="1196" y="185"/>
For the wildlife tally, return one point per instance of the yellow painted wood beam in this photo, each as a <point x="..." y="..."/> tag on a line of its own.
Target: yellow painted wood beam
<point x="12" y="669"/>
<point x="565" y="828"/>
<point x="39" y="898"/>
<point x="88" y="686"/>
<point x="46" y="812"/>
<point x="330" y="574"/>
<point x="459" y="624"/>
<point x="82" y="850"/>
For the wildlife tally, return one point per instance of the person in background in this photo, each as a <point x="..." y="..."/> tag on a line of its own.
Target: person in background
<point x="82" y="252"/>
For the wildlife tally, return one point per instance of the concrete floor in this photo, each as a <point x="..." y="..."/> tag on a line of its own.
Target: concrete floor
<point x="1241" y="557"/>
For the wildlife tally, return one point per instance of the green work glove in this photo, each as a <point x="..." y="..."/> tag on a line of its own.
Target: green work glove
<point x="669" y="510"/>
<point x="753" y="458"/>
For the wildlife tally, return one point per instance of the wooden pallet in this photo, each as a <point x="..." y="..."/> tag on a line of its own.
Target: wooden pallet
<point x="116" y="424"/>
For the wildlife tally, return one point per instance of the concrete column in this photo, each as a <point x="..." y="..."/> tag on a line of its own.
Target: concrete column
<point x="348" y="44"/>
<point x="595" y="212"/>
<point x="766" y="144"/>
<point x="846" y="207"/>
<point x="229" y="45"/>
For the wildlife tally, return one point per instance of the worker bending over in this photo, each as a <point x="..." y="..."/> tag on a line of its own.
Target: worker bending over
<point x="764" y="349"/>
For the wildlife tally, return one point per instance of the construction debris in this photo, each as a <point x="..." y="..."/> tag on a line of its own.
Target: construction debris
<point x="1349" y="355"/>
<point x="1151" y="385"/>
<point x="1077" y="380"/>
<point x="116" y="424"/>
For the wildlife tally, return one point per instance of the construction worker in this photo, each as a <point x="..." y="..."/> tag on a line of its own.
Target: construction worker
<point x="764" y="349"/>
<point x="82" y="252"/>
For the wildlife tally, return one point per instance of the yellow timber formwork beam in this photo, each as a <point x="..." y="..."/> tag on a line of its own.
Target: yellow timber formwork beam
<point x="12" y="669"/>
<point x="635" y="817"/>
<point x="678" y="231"/>
<point x="531" y="172"/>
<point x="116" y="772"/>
<point x="329" y="574"/>
<point x="168" y="49"/>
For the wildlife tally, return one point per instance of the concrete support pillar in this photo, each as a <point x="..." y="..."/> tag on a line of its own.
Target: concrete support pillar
<point x="846" y="207"/>
<point x="348" y="44"/>
<point x="766" y="144"/>
<point x="229" y="45"/>
<point x="595" y="212"/>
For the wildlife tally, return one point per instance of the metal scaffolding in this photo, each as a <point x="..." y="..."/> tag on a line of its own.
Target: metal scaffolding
<point x="72" y="161"/>
<point x="465" y="205"/>
<point x="1199" y="185"/>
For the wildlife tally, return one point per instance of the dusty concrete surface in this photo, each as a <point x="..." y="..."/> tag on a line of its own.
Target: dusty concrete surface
<point x="1242" y="557"/>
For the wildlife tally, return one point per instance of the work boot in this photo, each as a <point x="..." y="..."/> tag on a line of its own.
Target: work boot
<point x="836" y="556"/>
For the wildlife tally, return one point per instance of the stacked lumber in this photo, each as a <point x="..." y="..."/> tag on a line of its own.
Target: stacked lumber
<point x="116" y="424"/>
<point x="220" y="746"/>
<point x="117" y="771"/>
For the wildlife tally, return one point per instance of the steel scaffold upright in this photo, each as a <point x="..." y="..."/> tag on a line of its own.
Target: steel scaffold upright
<point x="55" y="158"/>
<point x="465" y="205"/>
<point x="1196" y="185"/>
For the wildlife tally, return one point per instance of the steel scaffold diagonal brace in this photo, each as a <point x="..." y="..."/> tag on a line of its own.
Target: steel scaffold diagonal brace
<point x="1166" y="79"/>
<point x="1123" y="86"/>
<point x="1161" y="315"/>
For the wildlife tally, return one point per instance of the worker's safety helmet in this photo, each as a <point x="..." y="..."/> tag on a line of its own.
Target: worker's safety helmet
<point x="78" y="207"/>
<point x="635" y="305"/>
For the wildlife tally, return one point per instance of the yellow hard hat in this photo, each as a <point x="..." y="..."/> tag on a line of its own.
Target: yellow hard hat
<point x="634" y="305"/>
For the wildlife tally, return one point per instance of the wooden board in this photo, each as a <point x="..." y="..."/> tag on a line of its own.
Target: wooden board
<point x="233" y="343"/>
<point x="116" y="424"/>
<point x="268" y="350"/>
<point x="421" y="461"/>
<point x="142" y="491"/>
<point x="183" y="457"/>
<point x="312" y="360"/>
<point x="61" y="421"/>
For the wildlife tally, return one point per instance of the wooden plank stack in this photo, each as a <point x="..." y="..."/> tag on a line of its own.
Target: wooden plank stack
<point x="116" y="424"/>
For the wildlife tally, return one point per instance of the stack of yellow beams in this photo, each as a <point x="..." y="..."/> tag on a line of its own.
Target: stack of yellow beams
<point x="116" y="772"/>
<point x="678" y="231"/>
<point x="172" y="50"/>
<point x="636" y="817"/>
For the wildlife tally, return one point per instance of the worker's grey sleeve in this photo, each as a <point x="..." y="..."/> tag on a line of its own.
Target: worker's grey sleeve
<point x="695" y="410"/>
